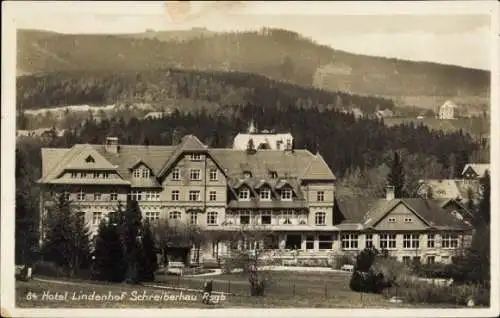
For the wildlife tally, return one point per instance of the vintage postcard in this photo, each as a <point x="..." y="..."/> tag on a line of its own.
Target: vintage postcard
<point x="250" y="158"/>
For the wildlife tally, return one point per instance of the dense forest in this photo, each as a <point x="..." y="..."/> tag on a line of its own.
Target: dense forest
<point x="159" y="86"/>
<point x="345" y="143"/>
<point x="278" y="54"/>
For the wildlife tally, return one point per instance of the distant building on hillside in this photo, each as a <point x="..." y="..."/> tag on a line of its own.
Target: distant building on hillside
<point x="263" y="140"/>
<point x="386" y="113"/>
<point x="447" y="110"/>
<point x="474" y="171"/>
<point x="157" y="115"/>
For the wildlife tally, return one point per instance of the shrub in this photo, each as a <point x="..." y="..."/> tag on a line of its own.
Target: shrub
<point x="342" y="260"/>
<point x="437" y="270"/>
<point x="365" y="259"/>
<point x="48" y="269"/>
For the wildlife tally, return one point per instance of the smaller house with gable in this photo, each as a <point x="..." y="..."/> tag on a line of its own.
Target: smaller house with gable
<point x="447" y="110"/>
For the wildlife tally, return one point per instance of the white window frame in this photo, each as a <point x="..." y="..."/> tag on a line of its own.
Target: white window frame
<point x="408" y="220"/>
<point x="74" y="175"/>
<point x="212" y="195"/>
<point x="195" y="157"/>
<point x="320" y="218"/>
<point x="431" y="240"/>
<point x="212" y="218"/>
<point x="95" y="174"/>
<point x="152" y="216"/>
<point x="429" y="258"/>
<point x="174" y="215"/>
<point x="349" y="241"/>
<point x="245" y="197"/>
<point x="81" y="195"/>
<point x="193" y="218"/>
<point x="195" y="174"/>
<point x="213" y="174"/>
<point x="286" y="194"/>
<point x="390" y="241"/>
<point x="105" y="175"/>
<point x="391" y="220"/>
<point x="411" y="241"/>
<point x="266" y="213"/>
<point x="265" y="194"/>
<point x="97" y="196"/>
<point x="329" y="241"/>
<point x="245" y="213"/>
<point x="113" y="196"/>
<point x="97" y="217"/>
<point x="136" y="173"/>
<point x="83" y="175"/>
<point x="449" y="241"/>
<point x="175" y="195"/>
<point x="369" y="240"/>
<point x="310" y="239"/>
<point x="194" y="195"/>
<point x="176" y="174"/>
<point x="320" y="196"/>
<point x="146" y="173"/>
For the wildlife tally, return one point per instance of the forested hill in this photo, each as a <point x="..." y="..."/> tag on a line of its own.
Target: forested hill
<point x="171" y="88"/>
<point x="278" y="54"/>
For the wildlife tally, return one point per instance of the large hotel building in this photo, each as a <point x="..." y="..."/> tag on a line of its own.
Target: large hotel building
<point x="288" y="192"/>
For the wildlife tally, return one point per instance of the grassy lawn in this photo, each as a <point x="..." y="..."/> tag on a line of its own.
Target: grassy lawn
<point x="286" y="289"/>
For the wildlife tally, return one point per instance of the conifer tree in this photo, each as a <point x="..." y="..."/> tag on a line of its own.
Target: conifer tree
<point x="67" y="242"/>
<point x="396" y="177"/>
<point x="131" y="230"/>
<point x="148" y="263"/>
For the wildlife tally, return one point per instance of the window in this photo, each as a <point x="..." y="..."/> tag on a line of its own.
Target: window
<point x="286" y="194"/>
<point x="194" y="195"/>
<point x="406" y="260"/>
<point x="449" y="241"/>
<point x="174" y="215"/>
<point x="193" y="218"/>
<point x="212" y="196"/>
<point x="408" y="220"/>
<point x="113" y="196"/>
<point x="195" y="174"/>
<point x="176" y="174"/>
<point x="265" y="194"/>
<point x="411" y="241"/>
<point x="96" y="218"/>
<point x="369" y="240"/>
<point x="387" y="241"/>
<point x="74" y="175"/>
<point x="152" y="216"/>
<point x="349" y="241"/>
<point x="273" y="174"/>
<point x="430" y="240"/>
<point x="265" y="218"/>
<point x="287" y="215"/>
<point x="392" y="220"/>
<point x="247" y="174"/>
<point x="325" y="242"/>
<point x="135" y="195"/>
<point x="105" y="175"/>
<point x="67" y="196"/>
<point x="320" y="196"/>
<point x="97" y="196"/>
<point x="320" y="218"/>
<point x="244" y="194"/>
<point x="195" y="157"/>
<point x="136" y="173"/>
<point x="431" y="259"/>
<point x="146" y="173"/>
<point x="212" y="218"/>
<point x="175" y="195"/>
<point x="212" y="174"/>
<point x="96" y="175"/>
<point x="80" y="196"/>
<point x="309" y="242"/>
<point x="244" y="218"/>
<point x="89" y="159"/>
<point x="83" y="175"/>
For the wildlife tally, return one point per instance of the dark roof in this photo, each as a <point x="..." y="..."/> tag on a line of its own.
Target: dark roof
<point x="368" y="211"/>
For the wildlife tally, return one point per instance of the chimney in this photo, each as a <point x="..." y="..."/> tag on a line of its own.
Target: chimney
<point x="389" y="193"/>
<point x="111" y="144"/>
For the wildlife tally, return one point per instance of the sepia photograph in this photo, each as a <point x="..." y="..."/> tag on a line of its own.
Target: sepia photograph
<point x="250" y="158"/>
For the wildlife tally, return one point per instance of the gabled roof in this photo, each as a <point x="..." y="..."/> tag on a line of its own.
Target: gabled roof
<point x="478" y="168"/>
<point x="449" y="103"/>
<point x="369" y="211"/>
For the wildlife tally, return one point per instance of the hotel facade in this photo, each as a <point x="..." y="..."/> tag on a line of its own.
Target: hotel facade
<point x="289" y="193"/>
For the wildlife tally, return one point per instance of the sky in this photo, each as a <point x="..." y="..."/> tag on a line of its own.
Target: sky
<point x="457" y="33"/>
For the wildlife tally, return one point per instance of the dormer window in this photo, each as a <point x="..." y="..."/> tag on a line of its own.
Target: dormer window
<point x="146" y="173"/>
<point x="273" y="174"/>
<point x="195" y="157"/>
<point x="90" y="159"/>
<point x="265" y="194"/>
<point x="247" y="174"/>
<point x="244" y="194"/>
<point x="286" y="194"/>
<point x="136" y="173"/>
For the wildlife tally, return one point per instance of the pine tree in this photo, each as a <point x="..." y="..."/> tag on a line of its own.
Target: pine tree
<point x="148" y="263"/>
<point x="131" y="228"/>
<point x="110" y="263"/>
<point x="68" y="240"/>
<point x="396" y="177"/>
<point x="485" y="203"/>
